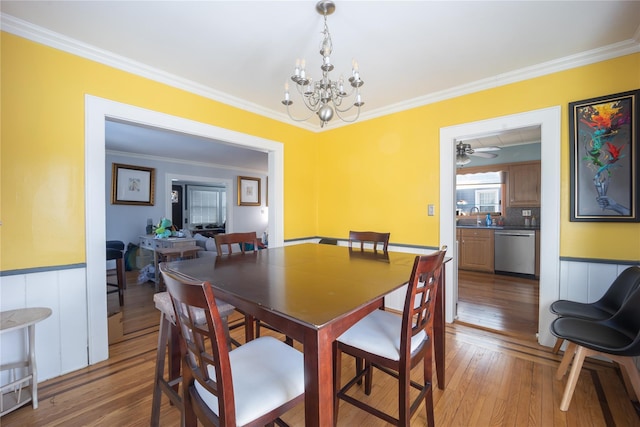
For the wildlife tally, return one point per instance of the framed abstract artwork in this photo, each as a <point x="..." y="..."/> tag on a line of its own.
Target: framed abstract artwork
<point x="132" y="185"/>
<point x="604" y="158"/>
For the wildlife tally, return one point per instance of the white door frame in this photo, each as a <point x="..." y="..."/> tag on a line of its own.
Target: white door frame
<point x="549" y="120"/>
<point x="97" y="111"/>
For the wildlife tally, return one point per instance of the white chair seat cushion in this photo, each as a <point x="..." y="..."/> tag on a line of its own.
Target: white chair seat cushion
<point x="379" y="333"/>
<point x="266" y="374"/>
<point x="163" y="303"/>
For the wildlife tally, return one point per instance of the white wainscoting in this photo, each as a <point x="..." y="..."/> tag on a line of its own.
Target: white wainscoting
<point x="61" y="339"/>
<point x="586" y="281"/>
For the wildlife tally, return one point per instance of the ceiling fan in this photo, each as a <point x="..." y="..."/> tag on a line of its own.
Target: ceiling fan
<point x="463" y="151"/>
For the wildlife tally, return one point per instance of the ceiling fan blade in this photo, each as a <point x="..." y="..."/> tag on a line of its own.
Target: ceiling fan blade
<point x="491" y="148"/>
<point x="485" y="155"/>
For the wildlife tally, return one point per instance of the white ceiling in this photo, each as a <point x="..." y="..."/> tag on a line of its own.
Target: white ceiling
<point x="409" y="52"/>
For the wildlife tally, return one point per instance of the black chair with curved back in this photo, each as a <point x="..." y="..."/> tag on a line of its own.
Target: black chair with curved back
<point x="616" y="338"/>
<point x="623" y="286"/>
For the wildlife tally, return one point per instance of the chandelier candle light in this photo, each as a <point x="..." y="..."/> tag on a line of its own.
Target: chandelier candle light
<point x="325" y="96"/>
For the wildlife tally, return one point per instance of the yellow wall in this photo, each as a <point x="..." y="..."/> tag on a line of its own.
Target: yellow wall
<point x="383" y="173"/>
<point x="377" y="174"/>
<point x="42" y="169"/>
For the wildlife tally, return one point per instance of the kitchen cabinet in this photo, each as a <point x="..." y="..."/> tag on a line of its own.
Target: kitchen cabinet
<point x="476" y="247"/>
<point x="524" y="185"/>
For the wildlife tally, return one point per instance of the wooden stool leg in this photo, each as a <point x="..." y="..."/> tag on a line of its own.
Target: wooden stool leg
<point x="171" y="385"/>
<point x="31" y="331"/>
<point x="122" y="279"/>
<point x="566" y="360"/>
<point x="161" y="352"/>
<point x="630" y="375"/>
<point x="556" y="347"/>
<point x="174" y="356"/>
<point x="573" y="378"/>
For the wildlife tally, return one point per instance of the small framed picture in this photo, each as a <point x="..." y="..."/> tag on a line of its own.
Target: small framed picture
<point x="248" y="191"/>
<point x="132" y="185"/>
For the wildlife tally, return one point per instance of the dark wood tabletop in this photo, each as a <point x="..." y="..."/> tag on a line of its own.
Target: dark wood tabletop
<point x="312" y="293"/>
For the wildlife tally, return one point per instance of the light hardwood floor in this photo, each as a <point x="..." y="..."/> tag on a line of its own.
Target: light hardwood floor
<point x="492" y="380"/>
<point x="502" y="303"/>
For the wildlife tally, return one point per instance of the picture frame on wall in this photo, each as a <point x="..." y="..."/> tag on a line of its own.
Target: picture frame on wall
<point x="132" y="185"/>
<point x="248" y="191"/>
<point x="604" y="158"/>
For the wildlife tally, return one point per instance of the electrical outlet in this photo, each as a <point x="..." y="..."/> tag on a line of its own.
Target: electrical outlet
<point x="431" y="210"/>
<point x="526" y="212"/>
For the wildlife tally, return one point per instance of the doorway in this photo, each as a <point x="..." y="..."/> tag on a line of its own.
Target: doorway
<point x="97" y="111"/>
<point x="549" y="119"/>
<point x="506" y="303"/>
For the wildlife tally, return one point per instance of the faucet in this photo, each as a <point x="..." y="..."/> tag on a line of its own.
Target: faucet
<point x="477" y="209"/>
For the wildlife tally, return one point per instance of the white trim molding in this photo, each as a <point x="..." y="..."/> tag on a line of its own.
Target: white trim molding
<point x="549" y="121"/>
<point x="97" y="110"/>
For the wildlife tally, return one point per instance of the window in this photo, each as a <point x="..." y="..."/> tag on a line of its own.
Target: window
<point x="206" y="205"/>
<point x="488" y="199"/>
<point x="479" y="190"/>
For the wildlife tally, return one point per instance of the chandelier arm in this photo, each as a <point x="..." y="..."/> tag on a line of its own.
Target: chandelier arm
<point x="344" y="110"/>
<point x="299" y="120"/>
<point x="348" y="120"/>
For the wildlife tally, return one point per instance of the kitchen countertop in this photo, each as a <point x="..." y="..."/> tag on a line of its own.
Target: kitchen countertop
<point x="499" y="227"/>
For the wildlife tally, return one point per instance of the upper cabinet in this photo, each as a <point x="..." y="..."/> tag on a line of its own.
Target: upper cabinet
<point x="524" y="184"/>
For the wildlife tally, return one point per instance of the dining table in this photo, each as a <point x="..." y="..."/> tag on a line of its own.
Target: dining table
<point x="312" y="293"/>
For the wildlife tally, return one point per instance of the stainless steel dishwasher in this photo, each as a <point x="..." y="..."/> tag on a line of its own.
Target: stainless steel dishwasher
<point x="515" y="251"/>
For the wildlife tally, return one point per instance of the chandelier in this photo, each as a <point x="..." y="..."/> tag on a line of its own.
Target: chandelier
<point x="325" y="96"/>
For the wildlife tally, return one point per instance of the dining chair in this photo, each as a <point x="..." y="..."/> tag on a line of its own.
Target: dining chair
<point x="115" y="252"/>
<point x="371" y="237"/>
<point x="616" y="338"/>
<point x="395" y="344"/>
<point x="247" y="242"/>
<point x="252" y="385"/>
<point x="168" y="351"/>
<point x="623" y="286"/>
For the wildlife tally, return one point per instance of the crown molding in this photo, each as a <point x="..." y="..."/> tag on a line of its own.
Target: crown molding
<point x="43" y="36"/>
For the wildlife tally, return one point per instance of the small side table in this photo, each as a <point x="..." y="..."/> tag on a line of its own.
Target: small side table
<point x="172" y="254"/>
<point x="16" y="393"/>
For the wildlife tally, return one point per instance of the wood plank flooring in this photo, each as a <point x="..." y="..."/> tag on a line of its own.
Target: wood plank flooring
<point x="501" y="303"/>
<point x="492" y="380"/>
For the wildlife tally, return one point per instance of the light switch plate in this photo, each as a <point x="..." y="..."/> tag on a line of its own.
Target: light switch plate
<point x="431" y="210"/>
<point x="526" y="212"/>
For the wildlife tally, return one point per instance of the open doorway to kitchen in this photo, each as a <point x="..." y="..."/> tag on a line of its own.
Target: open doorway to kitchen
<point x="499" y="178"/>
<point x="549" y="121"/>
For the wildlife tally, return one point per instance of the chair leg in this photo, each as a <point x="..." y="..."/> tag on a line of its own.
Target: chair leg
<point x="359" y="366"/>
<point x="368" y="378"/>
<point x="556" y="347"/>
<point x="427" y="367"/>
<point x="404" y="398"/>
<point x="581" y="353"/>
<point x="630" y="375"/>
<point x="122" y="279"/>
<point x="566" y="360"/>
<point x="337" y="373"/>
<point x="161" y="352"/>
